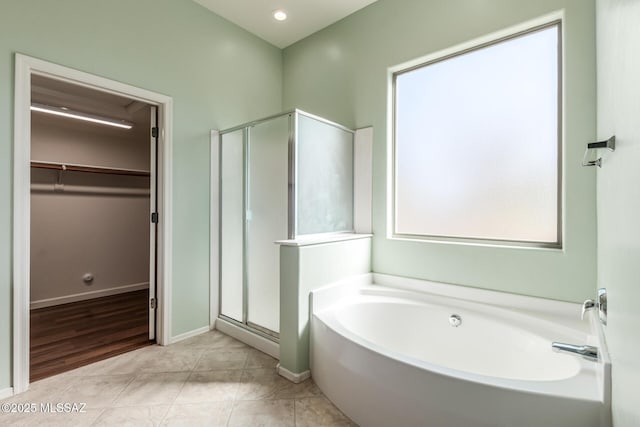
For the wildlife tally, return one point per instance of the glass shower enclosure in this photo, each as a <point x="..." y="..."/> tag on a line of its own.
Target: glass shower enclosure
<point x="281" y="178"/>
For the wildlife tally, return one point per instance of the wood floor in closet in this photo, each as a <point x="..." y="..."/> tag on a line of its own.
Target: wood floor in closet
<point x="68" y="336"/>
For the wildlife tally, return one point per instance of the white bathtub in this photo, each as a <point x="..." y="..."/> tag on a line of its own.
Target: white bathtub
<point x="387" y="355"/>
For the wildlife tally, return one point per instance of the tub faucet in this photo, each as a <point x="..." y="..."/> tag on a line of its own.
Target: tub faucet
<point x="587" y="305"/>
<point x="600" y="303"/>
<point x="587" y="351"/>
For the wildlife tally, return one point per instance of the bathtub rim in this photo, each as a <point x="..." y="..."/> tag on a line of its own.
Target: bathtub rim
<point x="337" y="294"/>
<point x="521" y="319"/>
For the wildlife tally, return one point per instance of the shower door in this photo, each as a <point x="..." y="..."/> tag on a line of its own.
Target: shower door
<point x="267" y="219"/>
<point x="254" y="182"/>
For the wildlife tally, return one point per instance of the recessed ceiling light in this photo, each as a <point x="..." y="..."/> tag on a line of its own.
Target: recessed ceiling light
<point x="279" y="15"/>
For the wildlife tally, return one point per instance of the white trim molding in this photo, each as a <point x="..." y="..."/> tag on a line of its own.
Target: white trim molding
<point x="21" y="223"/>
<point x="83" y="296"/>
<point x="363" y="180"/>
<point x="292" y="376"/>
<point x="190" y="334"/>
<point x="256" y="341"/>
<point x="214" y="230"/>
<point x="25" y="67"/>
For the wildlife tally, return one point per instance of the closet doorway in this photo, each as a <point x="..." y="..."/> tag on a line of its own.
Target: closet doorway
<point x="93" y="192"/>
<point x="91" y="219"/>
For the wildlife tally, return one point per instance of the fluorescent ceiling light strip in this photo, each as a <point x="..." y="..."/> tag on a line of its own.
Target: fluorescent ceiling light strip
<point x="80" y="116"/>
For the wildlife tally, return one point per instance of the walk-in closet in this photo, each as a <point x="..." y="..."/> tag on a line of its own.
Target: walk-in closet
<point x="92" y="235"/>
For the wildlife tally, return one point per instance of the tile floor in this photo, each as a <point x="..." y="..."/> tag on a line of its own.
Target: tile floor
<point x="208" y="380"/>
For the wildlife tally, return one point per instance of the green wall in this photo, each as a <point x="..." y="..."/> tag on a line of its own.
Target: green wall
<point x="619" y="198"/>
<point x="302" y="270"/>
<point x="218" y="75"/>
<point x="341" y="73"/>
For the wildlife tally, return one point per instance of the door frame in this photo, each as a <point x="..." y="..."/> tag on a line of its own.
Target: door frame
<point x="154" y="137"/>
<point x="25" y="66"/>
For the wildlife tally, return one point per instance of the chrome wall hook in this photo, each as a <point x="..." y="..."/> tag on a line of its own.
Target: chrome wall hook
<point x="592" y="147"/>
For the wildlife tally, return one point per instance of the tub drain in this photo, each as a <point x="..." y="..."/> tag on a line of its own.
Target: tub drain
<point x="455" y="320"/>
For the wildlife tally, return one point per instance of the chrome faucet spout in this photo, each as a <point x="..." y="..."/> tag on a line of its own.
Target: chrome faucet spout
<point x="587" y="351"/>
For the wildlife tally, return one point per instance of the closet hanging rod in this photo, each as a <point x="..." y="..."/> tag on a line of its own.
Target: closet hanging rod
<point x="87" y="168"/>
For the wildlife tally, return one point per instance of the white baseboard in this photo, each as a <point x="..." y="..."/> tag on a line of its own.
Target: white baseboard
<point x="255" y="341"/>
<point x="88" y="295"/>
<point x="190" y="334"/>
<point x="5" y="393"/>
<point x="291" y="376"/>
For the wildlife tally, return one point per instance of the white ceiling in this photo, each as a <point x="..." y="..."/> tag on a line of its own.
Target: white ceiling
<point x="305" y="17"/>
<point x="57" y="93"/>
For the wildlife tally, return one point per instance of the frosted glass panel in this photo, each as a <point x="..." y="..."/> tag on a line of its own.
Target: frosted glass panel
<point x="231" y="230"/>
<point x="477" y="143"/>
<point x="324" y="184"/>
<point x="255" y="204"/>
<point x="267" y="218"/>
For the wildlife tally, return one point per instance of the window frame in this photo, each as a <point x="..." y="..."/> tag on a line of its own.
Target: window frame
<point x="489" y="41"/>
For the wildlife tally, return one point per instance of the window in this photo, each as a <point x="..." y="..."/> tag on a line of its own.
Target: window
<point x="477" y="143"/>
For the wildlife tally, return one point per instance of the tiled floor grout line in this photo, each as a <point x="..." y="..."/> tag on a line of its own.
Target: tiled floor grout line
<point x="98" y="417"/>
<point x="195" y="365"/>
<point x="113" y="400"/>
<point x="176" y="396"/>
<point x="193" y="369"/>
<point x="295" y="421"/>
<point x="123" y="389"/>
<point x="235" y="394"/>
<point x="111" y="405"/>
<point x="233" y="404"/>
<point x="191" y="372"/>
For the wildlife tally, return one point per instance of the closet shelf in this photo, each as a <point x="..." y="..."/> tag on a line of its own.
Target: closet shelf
<point x="88" y="168"/>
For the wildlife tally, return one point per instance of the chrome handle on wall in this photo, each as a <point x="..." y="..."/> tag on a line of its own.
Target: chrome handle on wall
<point x="600" y="303"/>
<point x="587" y="305"/>
<point x="609" y="144"/>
